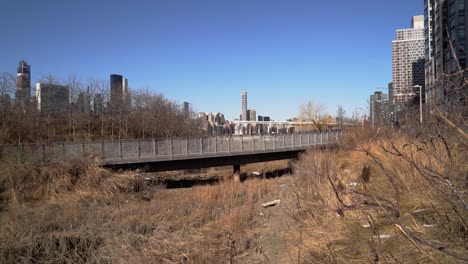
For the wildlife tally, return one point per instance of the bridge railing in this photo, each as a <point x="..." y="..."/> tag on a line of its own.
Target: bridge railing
<point x="169" y="148"/>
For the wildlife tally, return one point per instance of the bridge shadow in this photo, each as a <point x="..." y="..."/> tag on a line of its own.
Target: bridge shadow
<point x="189" y="181"/>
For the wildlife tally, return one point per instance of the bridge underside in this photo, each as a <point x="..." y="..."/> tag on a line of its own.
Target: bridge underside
<point x="204" y="162"/>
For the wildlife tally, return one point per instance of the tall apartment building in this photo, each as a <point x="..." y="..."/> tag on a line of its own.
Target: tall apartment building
<point x="445" y="46"/>
<point x="379" y="109"/>
<point x="186" y="109"/>
<point x="52" y="97"/>
<point x="23" y="82"/>
<point x="119" y="91"/>
<point x="407" y="64"/>
<point x="98" y="104"/>
<point x="244" y="106"/>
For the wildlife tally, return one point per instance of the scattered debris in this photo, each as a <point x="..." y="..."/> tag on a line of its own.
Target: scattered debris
<point x="271" y="203"/>
<point x="429" y="225"/>
<point x="418" y="211"/>
<point x="366" y="226"/>
<point x="256" y="173"/>
<point x="382" y="236"/>
<point x="354" y="184"/>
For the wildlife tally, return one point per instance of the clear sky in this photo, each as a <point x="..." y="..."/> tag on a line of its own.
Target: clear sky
<point x="283" y="53"/>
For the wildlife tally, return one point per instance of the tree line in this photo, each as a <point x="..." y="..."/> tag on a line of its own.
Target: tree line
<point x="90" y="116"/>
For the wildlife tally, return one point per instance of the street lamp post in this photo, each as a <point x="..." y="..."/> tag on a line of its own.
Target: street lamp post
<point x="420" y="103"/>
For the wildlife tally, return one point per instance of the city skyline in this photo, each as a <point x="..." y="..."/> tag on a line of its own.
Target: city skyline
<point x="283" y="55"/>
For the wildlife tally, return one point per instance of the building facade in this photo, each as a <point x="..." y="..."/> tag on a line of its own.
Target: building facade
<point x="23" y="82"/>
<point x="244" y="106"/>
<point x="445" y="49"/>
<point x="379" y="109"/>
<point x="407" y="64"/>
<point x="252" y="115"/>
<point x="52" y="98"/>
<point x="119" y="92"/>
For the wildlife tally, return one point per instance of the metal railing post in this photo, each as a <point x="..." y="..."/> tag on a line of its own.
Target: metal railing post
<point x="283" y="140"/>
<point x="201" y="146"/>
<point x="216" y="144"/>
<point x="138" y="148"/>
<point x="170" y="147"/>
<point x="300" y="140"/>
<point x="229" y="144"/>
<point x="274" y="141"/>
<point x="321" y="137"/>
<point x="186" y="147"/>
<point x="120" y="149"/>
<point x="292" y="140"/>
<point x="154" y="148"/>
<point x="241" y="143"/>
<point x="263" y="142"/>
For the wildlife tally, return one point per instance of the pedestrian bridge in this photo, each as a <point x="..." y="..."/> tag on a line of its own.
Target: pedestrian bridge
<point x="173" y="153"/>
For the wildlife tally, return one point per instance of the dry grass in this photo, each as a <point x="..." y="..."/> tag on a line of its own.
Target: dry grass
<point x="76" y="213"/>
<point x="389" y="185"/>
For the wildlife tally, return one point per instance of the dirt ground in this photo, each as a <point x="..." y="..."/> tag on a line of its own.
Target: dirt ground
<point x="278" y="235"/>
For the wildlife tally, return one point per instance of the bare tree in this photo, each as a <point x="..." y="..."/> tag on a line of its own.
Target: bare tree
<point x="340" y="115"/>
<point x="315" y="113"/>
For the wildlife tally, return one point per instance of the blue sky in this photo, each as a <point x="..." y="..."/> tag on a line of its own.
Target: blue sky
<point x="283" y="53"/>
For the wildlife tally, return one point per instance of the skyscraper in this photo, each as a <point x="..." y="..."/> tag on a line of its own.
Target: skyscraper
<point x="446" y="42"/>
<point x="23" y="82"/>
<point x="244" y="106"/>
<point x="52" y="97"/>
<point x="407" y="63"/>
<point x="116" y="90"/>
<point x="186" y="109"/>
<point x="379" y="109"/>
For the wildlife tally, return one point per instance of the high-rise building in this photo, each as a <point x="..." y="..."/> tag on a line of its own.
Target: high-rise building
<point x="52" y="97"/>
<point x="407" y="63"/>
<point x="252" y="115"/>
<point x="116" y="90"/>
<point x="23" y="82"/>
<point x="186" y="109"/>
<point x="98" y="104"/>
<point x="244" y="106"/>
<point x="446" y="42"/>
<point x="379" y="109"/>
<point x="83" y="102"/>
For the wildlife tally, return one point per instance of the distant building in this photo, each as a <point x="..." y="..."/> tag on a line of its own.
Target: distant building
<point x="119" y="92"/>
<point x="23" y="82"/>
<point x="186" y="109"/>
<point x="244" y="107"/>
<point x="98" y="104"/>
<point x="252" y="115"/>
<point x="5" y="101"/>
<point x="266" y="119"/>
<point x="407" y="63"/>
<point x="260" y="118"/>
<point x="52" y="97"/>
<point x="379" y="109"/>
<point x="83" y="102"/>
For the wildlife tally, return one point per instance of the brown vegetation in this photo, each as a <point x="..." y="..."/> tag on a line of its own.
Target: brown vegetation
<point x="76" y="213"/>
<point x="386" y="197"/>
